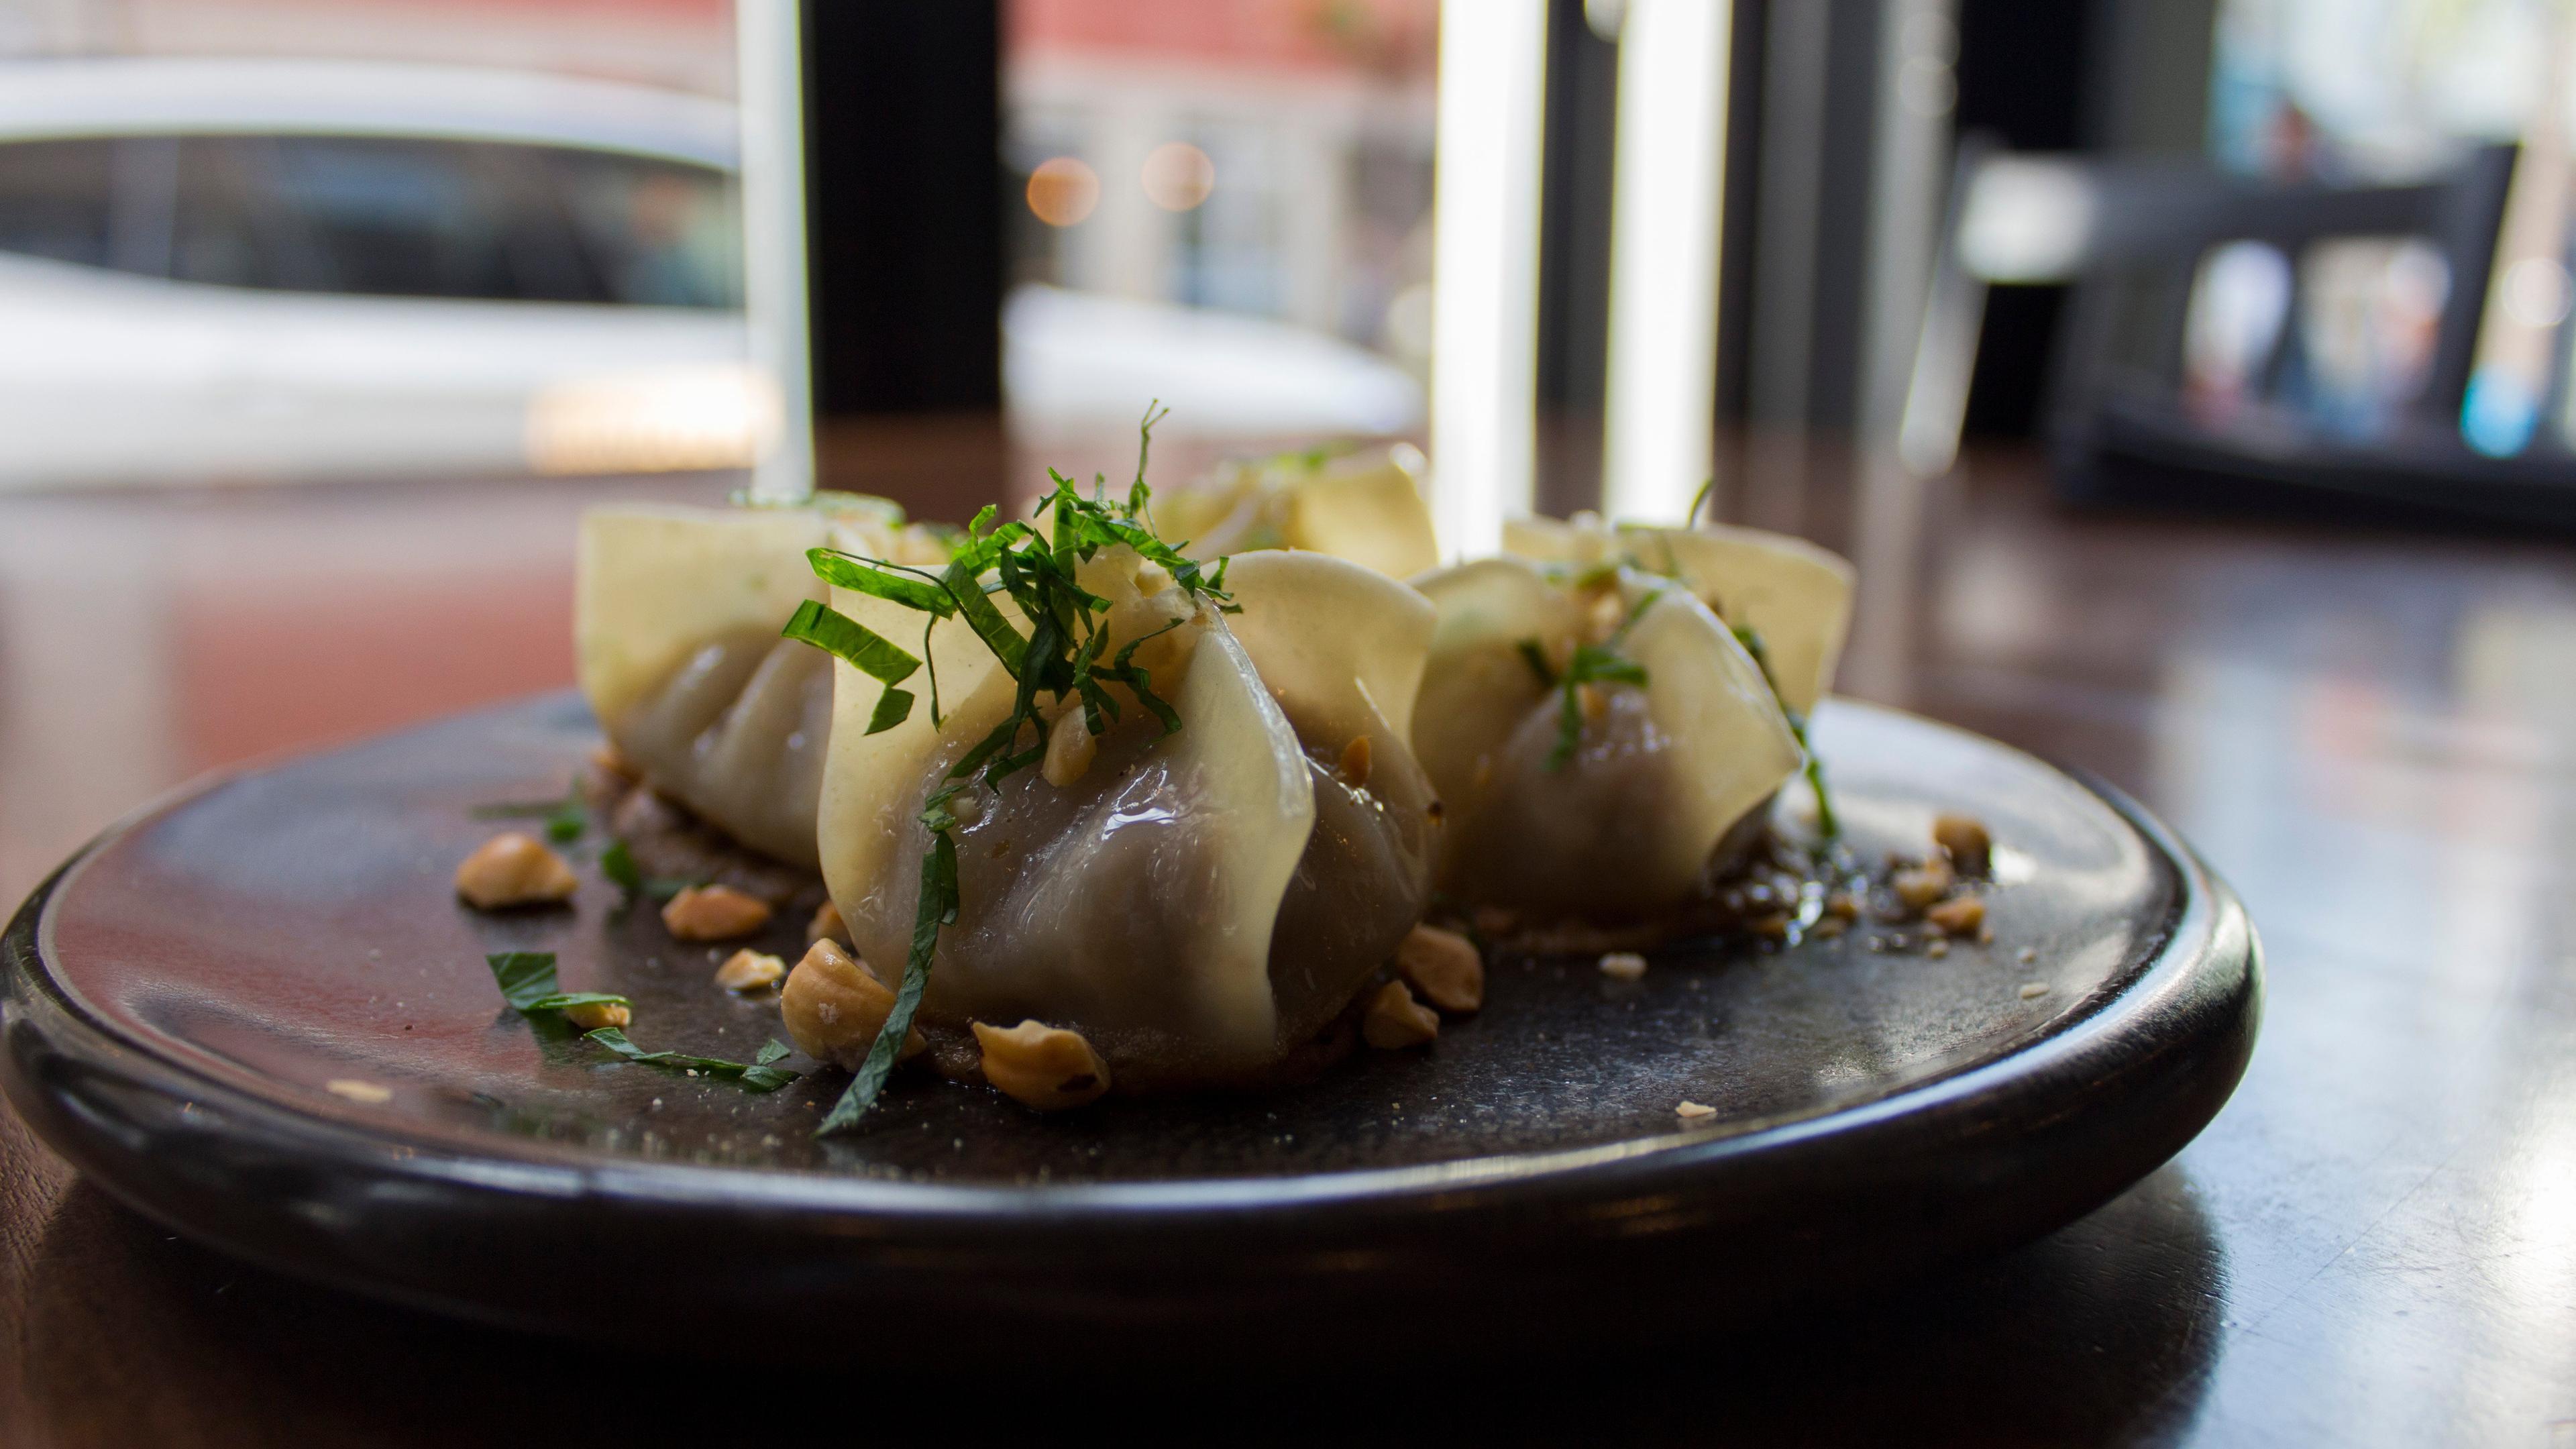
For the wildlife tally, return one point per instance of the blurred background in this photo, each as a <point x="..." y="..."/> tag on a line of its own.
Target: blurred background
<point x="320" y="322"/>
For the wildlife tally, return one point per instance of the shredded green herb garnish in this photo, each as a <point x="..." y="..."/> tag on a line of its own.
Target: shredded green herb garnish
<point x="1699" y="500"/>
<point x="565" y="819"/>
<point x="1828" y="823"/>
<point x="1536" y="658"/>
<point x="1059" y="657"/>
<point x="618" y="864"/>
<point x="1592" y="664"/>
<point x="757" y="1076"/>
<point x="525" y="977"/>
<point x="527" y="982"/>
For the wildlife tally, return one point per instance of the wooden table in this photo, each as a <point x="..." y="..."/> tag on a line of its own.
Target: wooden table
<point x="2372" y="735"/>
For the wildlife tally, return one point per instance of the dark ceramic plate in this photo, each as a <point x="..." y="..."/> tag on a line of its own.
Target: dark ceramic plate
<point x="185" y="995"/>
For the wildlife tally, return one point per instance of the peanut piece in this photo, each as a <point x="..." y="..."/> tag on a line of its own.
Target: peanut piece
<point x="1042" y="1066"/>
<point x="834" y="1007"/>
<point x="1443" y="966"/>
<point x="714" y="913"/>
<point x="1693" y="1111"/>
<point x="1924" y="884"/>
<point x="514" y="869"/>
<point x="1958" y="916"/>
<point x="1355" y="762"/>
<point x="592" y="1015"/>
<point x="749" y="970"/>
<point x="827" y="925"/>
<point x="1963" y="838"/>
<point x="1395" y="1020"/>
<point x="1069" y="749"/>
<point x="1624" y="966"/>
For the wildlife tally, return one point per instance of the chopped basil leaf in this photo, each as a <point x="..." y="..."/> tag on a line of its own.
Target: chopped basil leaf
<point x="753" y="1076"/>
<point x="937" y="908"/>
<point x="527" y="982"/>
<point x="1592" y="664"/>
<point x="568" y="822"/>
<point x="618" y="864"/>
<point x="576" y="998"/>
<point x="874" y="576"/>
<point x="1536" y="659"/>
<point x="775" y="1051"/>
<point x="1828" y="823"/>
<point x="565" y="819"/>
<point x="838" y="634"/>
<point x="525" y="977"/>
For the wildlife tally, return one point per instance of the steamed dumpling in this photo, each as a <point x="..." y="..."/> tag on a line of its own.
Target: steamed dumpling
<point x="1625" y="823"/>
<point x="1365" y="507"/>
<point x="1796" y="596"/>
<point x="1197" y="904"/>
<point x="676" y="614"/>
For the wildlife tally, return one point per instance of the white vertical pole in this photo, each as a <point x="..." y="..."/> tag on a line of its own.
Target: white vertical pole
<point x="1484" y="328"/>
<point x="1667" y="193"/>
<point x="770" y="65"/>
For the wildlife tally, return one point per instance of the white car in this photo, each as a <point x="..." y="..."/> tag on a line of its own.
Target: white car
<point x="256" y="269"/>
<point x="219" y="269"/>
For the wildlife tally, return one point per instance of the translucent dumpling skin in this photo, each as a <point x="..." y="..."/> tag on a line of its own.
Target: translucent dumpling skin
<point x="1795" y="596"/>
<point x="1365" y="507"/>
<point x="676" y="619"/>
<point x="1197" y="904"/>
<point x="1623" y="824"/>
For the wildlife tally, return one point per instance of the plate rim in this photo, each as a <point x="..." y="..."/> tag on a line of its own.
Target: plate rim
<point x="2207" y="949"/>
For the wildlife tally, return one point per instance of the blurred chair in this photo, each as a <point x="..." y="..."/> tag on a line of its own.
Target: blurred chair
<point x="2143" y="244"/>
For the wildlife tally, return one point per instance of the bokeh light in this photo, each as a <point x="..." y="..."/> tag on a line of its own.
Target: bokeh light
<point x="1062" y="191"/>
<point x="1178" y="176"/>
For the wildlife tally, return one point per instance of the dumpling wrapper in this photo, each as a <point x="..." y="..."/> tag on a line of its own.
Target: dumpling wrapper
<point x="1628" y="825"/>
<point x="1797" y="596"/>
<point x="676" y="613"/>
<point x="1365" y="507"/>
<point x="1197" y="904"/>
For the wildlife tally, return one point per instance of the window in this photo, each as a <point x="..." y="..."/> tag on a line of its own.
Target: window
<point x="54" y="200"/>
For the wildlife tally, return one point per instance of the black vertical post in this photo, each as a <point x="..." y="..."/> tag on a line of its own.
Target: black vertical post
<point x="904" y="204"/>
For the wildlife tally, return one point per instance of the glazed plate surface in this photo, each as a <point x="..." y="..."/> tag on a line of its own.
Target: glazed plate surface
<point x="258" y="1014"/>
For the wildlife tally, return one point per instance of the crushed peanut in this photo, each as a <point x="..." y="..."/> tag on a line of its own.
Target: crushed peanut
<point x="1623" y="966"/>
<point x="2032" y="990"/>
<point x="514" y="869"/>
<point x="714" y="913"/>
<point x="1937" y="949"/>
<point x="1355" y="762"/>
<point x="827" y="925"/>
<point x="1924" y="884"/>
<point x="592" y="1015"/>
<point x="358" y="1091"/>
<point x="1069" y="749"/>
<point x="1694" y="1110"/>
<point x="1395" y="1020"/>
<point x="1444" y="966"/>
<point x="833" y="1008"/>
<point x="2026" y="955"/>
<point x="749" y="970"/>
<point x="1964" y="840"/>
<point x="1959" y="915"/>
<point x="1042" y="1066"/>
